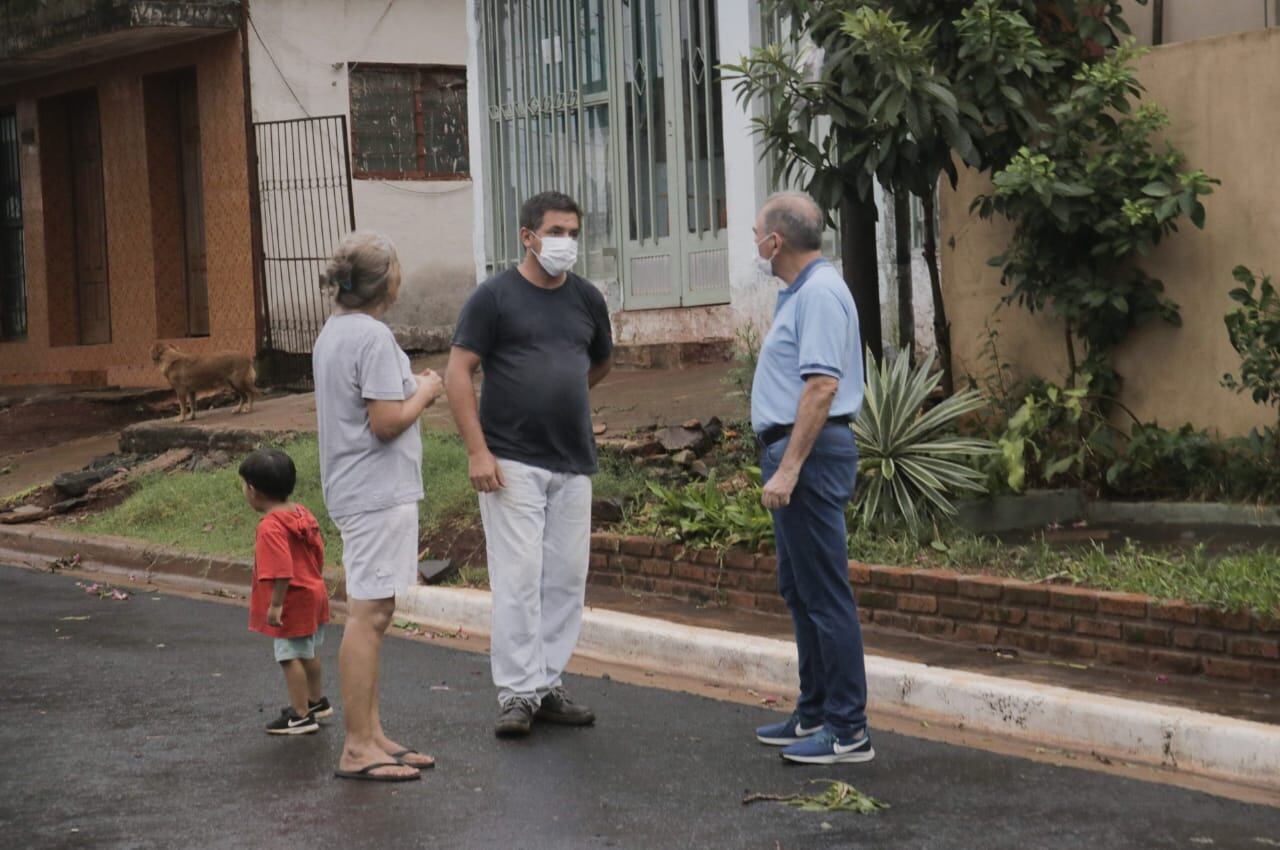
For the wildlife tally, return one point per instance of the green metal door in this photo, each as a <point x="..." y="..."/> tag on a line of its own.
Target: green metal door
<point x="672" y="162"/>
<point x="616" y="102"/>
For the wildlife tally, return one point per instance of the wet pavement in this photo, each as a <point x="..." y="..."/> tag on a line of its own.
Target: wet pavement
<point x="138" y="724"/>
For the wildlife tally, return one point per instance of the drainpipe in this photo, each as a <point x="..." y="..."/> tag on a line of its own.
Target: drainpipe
<point x="1157" y="22"/>
<point x="261" y="321"/>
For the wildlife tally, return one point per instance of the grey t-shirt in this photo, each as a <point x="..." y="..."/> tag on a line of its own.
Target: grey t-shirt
<point x="537" y="346"/>
<point x="355" y="359"/>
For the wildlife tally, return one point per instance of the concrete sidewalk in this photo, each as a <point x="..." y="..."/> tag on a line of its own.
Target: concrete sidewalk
<point x="626" y="399"/>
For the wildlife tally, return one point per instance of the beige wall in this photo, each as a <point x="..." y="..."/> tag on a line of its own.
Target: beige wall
<point x="1186" y="20"/>
<point x="1223" y="96"/>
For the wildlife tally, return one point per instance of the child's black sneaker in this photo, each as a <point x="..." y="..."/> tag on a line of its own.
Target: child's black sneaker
<point x="289" y="723"/>
<point x="320" y="709"/>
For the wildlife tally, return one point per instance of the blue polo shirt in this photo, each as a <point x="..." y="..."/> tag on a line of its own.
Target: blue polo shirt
<point x="814" y="332"/>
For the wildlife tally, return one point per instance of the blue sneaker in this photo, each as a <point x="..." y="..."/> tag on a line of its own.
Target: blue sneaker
<point x="826" y="748"/>
<point x="789" y="731"/>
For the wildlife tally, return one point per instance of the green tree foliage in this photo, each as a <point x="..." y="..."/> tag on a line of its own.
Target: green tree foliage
<point x="905" y="89"/>
<point x="1090" y="194"/>
<point x="1254" y="328"/>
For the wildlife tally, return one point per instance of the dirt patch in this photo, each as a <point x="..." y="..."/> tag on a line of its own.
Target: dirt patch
<point x="42" y="423"/>
<point x="460" y="541"/>
<point x="47" y="497"/>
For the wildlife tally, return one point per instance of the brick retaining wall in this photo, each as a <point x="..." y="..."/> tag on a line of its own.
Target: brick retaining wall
<point x="1122" y="629"/>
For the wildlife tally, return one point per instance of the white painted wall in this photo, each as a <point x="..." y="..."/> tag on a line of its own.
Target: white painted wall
<point x="752" y="295"/>
<point x="298" y="56"/>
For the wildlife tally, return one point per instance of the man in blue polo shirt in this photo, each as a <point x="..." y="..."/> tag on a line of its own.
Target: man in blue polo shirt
<point x="807" y="391"/>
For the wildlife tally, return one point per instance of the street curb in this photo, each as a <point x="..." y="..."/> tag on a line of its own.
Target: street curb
<point x="24" y="542"/>
<point x="1191" y="742"/>
<point x="1180" y="739"/>
<point x="34" y="543"/>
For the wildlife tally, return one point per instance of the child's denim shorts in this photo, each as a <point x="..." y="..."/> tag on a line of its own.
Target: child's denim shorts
<point x="287" y="649"/>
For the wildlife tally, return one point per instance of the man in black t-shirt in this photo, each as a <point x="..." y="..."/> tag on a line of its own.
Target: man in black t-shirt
<point x="543" y="337"/>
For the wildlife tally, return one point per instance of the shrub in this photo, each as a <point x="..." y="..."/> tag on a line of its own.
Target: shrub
<point x="1254" y="329"/>
<point x="911" y="462"/>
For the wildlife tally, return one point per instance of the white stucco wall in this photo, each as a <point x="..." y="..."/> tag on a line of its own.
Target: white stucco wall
<point x="299" y="52"/>
<point x="752" y="295"/>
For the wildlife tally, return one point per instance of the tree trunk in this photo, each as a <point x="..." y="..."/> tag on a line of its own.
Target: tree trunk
<point x="906" y="290"/>
<point x="941" y="327"/>
<point x="1072" y="367"/>
<point x="861" y="270"/>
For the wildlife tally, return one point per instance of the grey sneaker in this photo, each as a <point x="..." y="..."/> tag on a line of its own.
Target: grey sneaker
<point x="558" y="708"/>
<point x="515" y="719"/>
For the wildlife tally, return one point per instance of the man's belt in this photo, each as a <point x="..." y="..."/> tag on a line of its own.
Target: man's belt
<point x="774" y="433"/>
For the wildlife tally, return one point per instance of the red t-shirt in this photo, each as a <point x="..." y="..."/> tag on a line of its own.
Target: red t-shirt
<point x="289" y="546"/>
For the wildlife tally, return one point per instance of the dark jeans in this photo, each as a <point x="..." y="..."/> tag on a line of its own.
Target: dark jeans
<point x="813" y="578"/>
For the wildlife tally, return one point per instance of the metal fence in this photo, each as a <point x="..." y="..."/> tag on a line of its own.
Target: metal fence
<point x="304" y="189"/>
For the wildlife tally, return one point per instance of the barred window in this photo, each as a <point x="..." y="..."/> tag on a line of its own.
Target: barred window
<point x="409" y="122"/>
<point x="13" y="283"/>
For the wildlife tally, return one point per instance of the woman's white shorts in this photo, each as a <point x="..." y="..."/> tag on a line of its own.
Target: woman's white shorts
<point x="380" y="551"/>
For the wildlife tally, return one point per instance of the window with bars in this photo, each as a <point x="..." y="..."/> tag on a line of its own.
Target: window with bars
<point x="409" y="122"/>
<point x="13" y="276"/>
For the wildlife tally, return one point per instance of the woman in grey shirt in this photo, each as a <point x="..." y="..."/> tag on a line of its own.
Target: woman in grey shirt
<point x="368" y="402"/>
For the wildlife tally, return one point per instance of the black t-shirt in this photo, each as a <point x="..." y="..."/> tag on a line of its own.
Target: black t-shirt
<point x="536" y="346"/>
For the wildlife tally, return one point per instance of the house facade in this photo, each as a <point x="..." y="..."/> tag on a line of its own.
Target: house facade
<point x="124" y="199"/>
<point x="622" y="105"/>
<point x="181" y="171"/>
<point x="394" y="77"/>
<point x="236" y="143"/>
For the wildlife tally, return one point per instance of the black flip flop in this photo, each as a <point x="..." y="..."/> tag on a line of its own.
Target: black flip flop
<point x="365" y="773"/>
<point x="399" y="757"/>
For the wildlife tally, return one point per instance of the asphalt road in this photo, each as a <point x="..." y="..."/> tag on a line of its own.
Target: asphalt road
<point x="139" y="724"/>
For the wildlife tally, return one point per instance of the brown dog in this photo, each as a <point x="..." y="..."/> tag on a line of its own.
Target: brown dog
<point x="189" y="373"/>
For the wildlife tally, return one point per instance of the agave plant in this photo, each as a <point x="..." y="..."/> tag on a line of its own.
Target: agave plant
<point x="911" y="463"/>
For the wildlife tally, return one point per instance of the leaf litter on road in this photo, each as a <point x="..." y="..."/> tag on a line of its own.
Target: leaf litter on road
<point x="838" y="797"/>
<point x="413" y="629"/>
<point x="103" y="591"/>
<point x="68" y="562"/>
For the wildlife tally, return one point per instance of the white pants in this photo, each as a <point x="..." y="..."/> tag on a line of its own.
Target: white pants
<point x="537" y="532"/>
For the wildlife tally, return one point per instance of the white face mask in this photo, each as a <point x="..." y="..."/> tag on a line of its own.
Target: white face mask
<point x="764" y="265"/>
<point x="558" y="254"/>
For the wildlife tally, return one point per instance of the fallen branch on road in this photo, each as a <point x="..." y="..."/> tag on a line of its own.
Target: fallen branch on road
<point x="839" y="797"/>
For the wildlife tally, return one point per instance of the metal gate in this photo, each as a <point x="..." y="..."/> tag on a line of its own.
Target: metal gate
<point x="304" y="190"/>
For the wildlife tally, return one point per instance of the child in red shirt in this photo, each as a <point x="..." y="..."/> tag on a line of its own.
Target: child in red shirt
<point x="289" y="601"/>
